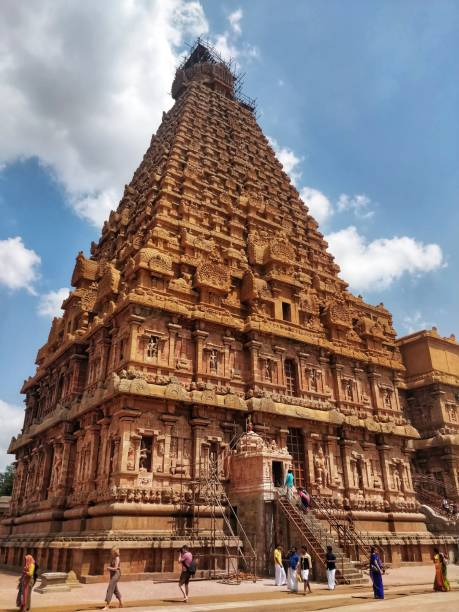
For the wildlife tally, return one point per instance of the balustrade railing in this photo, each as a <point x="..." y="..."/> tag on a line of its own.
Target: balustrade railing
<point x="351" y="540"/>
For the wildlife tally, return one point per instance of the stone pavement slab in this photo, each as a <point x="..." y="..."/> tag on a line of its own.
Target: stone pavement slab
<point x="145" y="594"/>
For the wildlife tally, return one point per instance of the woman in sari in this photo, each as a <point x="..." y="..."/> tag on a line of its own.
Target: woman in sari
<point x="376" y="572"/>
<point x="26" y="583"/>
<point x="441" y="580"/>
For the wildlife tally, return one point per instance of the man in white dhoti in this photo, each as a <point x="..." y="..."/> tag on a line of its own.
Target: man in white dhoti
<point x="279" y="573"/>
<point x="331" y="568"/>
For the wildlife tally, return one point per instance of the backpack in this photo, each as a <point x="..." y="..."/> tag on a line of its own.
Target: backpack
<point x="191" y="569"/>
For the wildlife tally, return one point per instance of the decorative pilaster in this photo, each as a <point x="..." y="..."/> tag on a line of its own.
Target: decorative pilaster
<point x="174" y="329"/>
<point x="199" y="338"/>
<point x="336" y="369"/>
<point x="346" y="448"/>
<point x="383" y="450"/>
<point x="280" y="352"/>
<point x="169" y="421"/>
<point x="373" y="378"/>
<point x="254" y="347"/>
<point x="228" y="343"/>
<point x="198" y="426"/>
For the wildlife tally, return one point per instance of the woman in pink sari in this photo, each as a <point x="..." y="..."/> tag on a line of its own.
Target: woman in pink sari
<point x="26" y="583"/>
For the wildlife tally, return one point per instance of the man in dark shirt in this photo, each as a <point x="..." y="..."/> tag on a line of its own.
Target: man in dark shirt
<point x="331" y="568"/>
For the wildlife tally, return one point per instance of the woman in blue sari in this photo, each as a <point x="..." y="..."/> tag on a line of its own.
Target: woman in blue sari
<point x="376" y="572"/>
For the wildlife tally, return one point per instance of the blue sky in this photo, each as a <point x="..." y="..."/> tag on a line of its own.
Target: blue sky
<point x="358" y="98"/>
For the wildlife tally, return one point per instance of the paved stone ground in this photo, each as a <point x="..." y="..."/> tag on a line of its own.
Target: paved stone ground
<point x="408" y="589"/>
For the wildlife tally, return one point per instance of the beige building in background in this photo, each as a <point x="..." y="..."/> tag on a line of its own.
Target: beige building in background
<point x="432" y="394"/>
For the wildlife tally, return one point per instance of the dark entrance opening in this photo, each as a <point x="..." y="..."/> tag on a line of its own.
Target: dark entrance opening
<point x="278" y="474"/>
<point x="295" y="446"/>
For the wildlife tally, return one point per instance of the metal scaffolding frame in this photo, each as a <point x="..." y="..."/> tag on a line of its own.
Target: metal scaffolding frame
<point x="223" y="530"/>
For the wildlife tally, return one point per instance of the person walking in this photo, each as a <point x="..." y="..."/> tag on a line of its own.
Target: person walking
<point x="305" y="567"/>
<point x="279" y="572"/>
<point x="292" y="580"/>
<point x="26" y="582"/>
<point x="376" y="572"/>
<point x="188" y="570"/>
<point x="115" y="574"/>
<point x="289" y="481"/>
<point x="441" y="582"/>
<point x="330" y="560"/>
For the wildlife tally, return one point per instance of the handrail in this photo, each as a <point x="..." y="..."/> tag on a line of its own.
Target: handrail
<point x="346" y="533"/>
<point x="312" y="543"/>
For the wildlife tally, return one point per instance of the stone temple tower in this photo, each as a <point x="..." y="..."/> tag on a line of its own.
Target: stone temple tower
<point x="210" y="297"/>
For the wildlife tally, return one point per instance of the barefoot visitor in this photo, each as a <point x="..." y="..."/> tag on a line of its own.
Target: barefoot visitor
<point x="115" y="574"/>
<point x="26" y="582"/>
<point x="188" y="570"/>
<point x="376" y="572"/>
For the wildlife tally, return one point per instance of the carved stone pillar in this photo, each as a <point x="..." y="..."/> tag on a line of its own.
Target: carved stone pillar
<point x="254" y="347"/>
<point x="397" y="381"/>
<point x="126" y="417"/>
<point x="308" y="459"/>
<point x="383" y="450"/>
<point x="94" y="432"/>
<point x="131" y="349"/>
<point x="67" y="448"/>
<point x="280" y="352"/>
<point x="373" y="378"/>
<point x="302" y="363"/>
<point x="199" y="337"/>
<point x="336" y="369"/>
<point x="198" y="427"/>
<point x="46" y="471"/>
<point x="169" y="421"/>
<point x="228" y="343"/>
<point x="116" y="458"/>
<point x="345" y="448"/>
<point x="330" y="442"/>
<point x="104" y="453"/>
<point x="173" y="331"/>
<point x="358" y="383"/>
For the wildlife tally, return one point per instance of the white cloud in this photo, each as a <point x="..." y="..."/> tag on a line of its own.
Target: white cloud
<point x="235" y="20"/>
<point x="319" y="205"/>
<point x="83" y="85"/>
<point x="11" y="418"/>
<point x="228" y="44"/>
<point x="289" y="160"/>
<point x="358" y="204"/>
<point x="95" y="208"/>
<point x="415" y="322"/>
<point x="376" y="265"/>
<point x="18" y="265"/>
<point x="50" y="303"/>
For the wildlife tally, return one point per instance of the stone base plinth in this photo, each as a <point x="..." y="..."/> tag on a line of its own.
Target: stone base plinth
<point x="53" y="582"/>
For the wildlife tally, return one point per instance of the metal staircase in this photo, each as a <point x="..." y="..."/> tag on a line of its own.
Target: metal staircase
<point x="348" y="538"/>
<point x="317" y="538"/>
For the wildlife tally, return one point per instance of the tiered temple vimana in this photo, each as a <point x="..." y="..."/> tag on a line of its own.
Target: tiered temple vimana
<point x="210" y="301"/>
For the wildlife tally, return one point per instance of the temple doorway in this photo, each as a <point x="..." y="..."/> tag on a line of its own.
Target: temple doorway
<point x="295" y="446"/>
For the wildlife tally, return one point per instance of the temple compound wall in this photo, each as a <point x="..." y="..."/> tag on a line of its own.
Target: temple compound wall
<point x="209" y="300"/>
